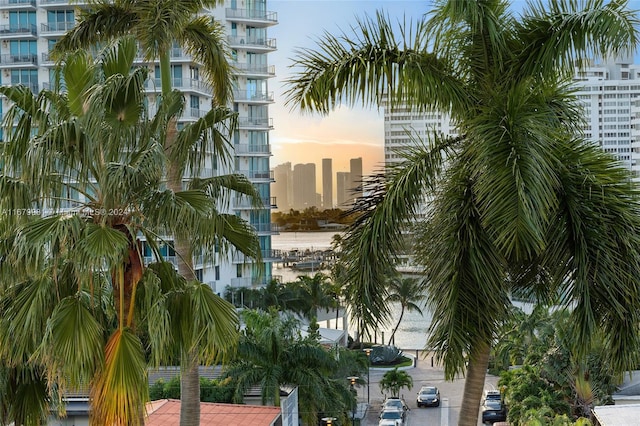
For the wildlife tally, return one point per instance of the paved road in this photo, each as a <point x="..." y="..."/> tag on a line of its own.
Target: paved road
<point x="424" y="374"/>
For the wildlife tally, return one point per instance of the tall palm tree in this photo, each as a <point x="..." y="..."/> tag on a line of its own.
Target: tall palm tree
<point x="83" y="180"/>
<point x="157" y="25"/>
<point x="394" y="380"/>
<point x="409" y="293"/>
<point x="523" y="203"/>
<point x="313" y="293"/>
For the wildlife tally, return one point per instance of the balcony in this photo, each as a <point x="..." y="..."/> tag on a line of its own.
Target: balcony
<point x="255" y="123"/>
<point x="266" y="228"/>
<point x="253" y="70"/>
<point x="61" y="4"/>
<point x="245" y="203"/>
<point x="267" y="256"/>
<point x="253" y="17"/>
<point x="252" y="282"/>
<point x="18" y="4"/>
<point x="252" y="97"/>
<point x="183" y="84"/>
<point x="258" y="175"/>
<point x="23" y="32"/>
<point x="243" y="149"/>
<point x="55" y="29"/>
<point x="19" y="61"/>
<point x="252" y="43"/>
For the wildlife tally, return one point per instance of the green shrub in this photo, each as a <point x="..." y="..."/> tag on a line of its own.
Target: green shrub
<point x="210" y="390"/>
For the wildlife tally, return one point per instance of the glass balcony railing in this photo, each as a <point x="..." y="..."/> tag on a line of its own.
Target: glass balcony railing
<point x="19" y="59"/>
<point x="252" y="14"/>
<point x="17" y="3"/>
<point x="252" y="96"/>
<point x="57" y="27"/>
<point x="244" y="149"/>
<point x="267" y="43"/>
<point x="6" y="30"/>
<point x="254" y="69"/>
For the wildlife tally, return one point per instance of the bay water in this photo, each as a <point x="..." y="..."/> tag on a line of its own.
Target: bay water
<point x="411" y="333"/>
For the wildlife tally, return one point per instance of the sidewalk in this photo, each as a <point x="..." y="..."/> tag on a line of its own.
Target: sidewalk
<point x="361" y="411"/>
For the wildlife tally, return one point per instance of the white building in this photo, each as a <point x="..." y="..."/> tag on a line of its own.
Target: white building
<point x="29" y="28"/>
<point x="610" y="92"/>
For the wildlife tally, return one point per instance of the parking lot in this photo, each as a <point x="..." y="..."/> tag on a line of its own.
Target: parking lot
<point x="422" y="374"/>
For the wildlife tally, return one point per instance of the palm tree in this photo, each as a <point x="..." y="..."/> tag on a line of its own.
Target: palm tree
<point x="313" y="293"/>
<point x="157" y="26"/>
<point x="515" y="208"/>
<point x="271" y="353"/>
<point x="394" y="380"/>
<point x="90" y="186"/>
<point x="408" y="292"/>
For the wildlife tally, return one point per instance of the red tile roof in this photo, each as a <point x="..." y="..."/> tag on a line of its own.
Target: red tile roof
<point x="166" y="412"/>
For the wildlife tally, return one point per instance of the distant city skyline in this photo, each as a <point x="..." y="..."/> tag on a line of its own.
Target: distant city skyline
<point x="301" y="185"/>
<point x="347" y="132"/>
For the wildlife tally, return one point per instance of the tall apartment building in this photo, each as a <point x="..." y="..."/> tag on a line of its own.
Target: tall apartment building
<point x="327" y="184"/>
<point x="610" y="93"/>
<point x="29" y="29"/>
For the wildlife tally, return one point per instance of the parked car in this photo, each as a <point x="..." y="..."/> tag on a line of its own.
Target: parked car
<point x="428" y="396"/>
<point x="395" y="402"/>
<point x="493" y="409"/>
<point x="392" y="416"/>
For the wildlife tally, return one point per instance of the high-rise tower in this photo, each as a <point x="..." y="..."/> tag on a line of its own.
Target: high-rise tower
<point x="30" y="28"/>
<point x="327" y="184"/>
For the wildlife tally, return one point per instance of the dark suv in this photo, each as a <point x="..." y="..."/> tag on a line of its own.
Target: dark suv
<point x="493" y="409"/>
<point x="428" y="396"/>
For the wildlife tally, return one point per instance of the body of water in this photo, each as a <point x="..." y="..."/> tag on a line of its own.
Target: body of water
<point x="412" y="331"/>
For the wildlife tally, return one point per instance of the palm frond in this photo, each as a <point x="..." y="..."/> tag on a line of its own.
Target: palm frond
<point x="205" y="40"/>
<point x="105" y="20"/>
<point x="72" y="348"/>
<point x="460" y="254"/>
<point x="209" y="135"/>
<point x="373" y="242"/>
<point x="373" y="64"/>
<point x="556" y="34"/>
<point x="223" y="187"/>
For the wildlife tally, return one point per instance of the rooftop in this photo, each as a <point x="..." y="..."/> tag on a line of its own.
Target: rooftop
<point x="166" y="412"/>
<point x="617" y="415"/>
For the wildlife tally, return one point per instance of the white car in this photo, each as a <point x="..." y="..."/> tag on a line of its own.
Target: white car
<point x="395" y="402"/>
<point x="391" y="417"/>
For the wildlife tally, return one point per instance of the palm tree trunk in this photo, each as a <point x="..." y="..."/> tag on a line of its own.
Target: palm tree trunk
<point x="397" y="325"/>
<point x="190" y="390"/>
<point x="474" y="384"/>
<point x="189" y="372"/>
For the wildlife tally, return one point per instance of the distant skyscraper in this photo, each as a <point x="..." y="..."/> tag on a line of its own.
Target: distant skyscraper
<point x="327" y="184"/>
<point x="282" y="188"/>
<point x="304" y="186"/>
<point x="343" y="180"/>
<point x="355" y="171"/>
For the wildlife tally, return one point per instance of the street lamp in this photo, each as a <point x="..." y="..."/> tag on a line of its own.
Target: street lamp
<point x="328" y="421"/>
<point x="368" y="352"/>
<point x="352" y="381"/>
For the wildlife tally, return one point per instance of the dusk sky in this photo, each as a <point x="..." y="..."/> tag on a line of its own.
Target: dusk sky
<point x="345" y="133"/>
<point x="348" y="132"/>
